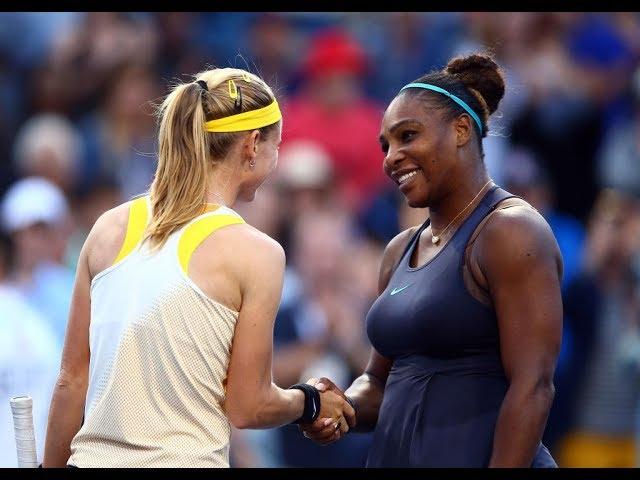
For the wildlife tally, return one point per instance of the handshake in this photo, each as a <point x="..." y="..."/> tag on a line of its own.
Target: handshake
<point x="336" y="417"/>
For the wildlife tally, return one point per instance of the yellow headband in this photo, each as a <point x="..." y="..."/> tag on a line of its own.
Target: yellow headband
<point x="247" y="120"/>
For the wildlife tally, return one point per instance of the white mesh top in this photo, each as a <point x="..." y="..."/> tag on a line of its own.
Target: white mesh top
<point x="160" y="350"/>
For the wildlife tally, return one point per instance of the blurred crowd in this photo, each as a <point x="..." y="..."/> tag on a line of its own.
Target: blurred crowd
<point x="77" y="137"/>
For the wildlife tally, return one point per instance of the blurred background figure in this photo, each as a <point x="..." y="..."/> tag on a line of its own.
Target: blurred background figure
<point x="602" y="309"/>
<point x="49" y="146"/>
<point x="120" y="134"/>
<point x="179" y="47"/>
<point x="331" y="108"/>
<point x="320" y="326"/>
<point x="306" y="183"/>
<point x="274" y="48"/>
<point x="29" y="358"/>
<point x="76" y="138"/>
<point x="619" y="158"/>
<point x="419" y="42"/>
<point x="573" y="103"/>
<point x="35" y="214"/>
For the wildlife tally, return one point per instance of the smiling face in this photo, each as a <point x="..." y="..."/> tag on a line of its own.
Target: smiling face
<point x="420" y="148"/>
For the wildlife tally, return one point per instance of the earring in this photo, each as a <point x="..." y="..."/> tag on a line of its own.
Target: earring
<point x="252" y="163"/>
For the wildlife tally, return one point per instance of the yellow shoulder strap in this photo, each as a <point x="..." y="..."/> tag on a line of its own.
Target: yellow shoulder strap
<point x="195" y="233"/>
<point x="138" y="215"/>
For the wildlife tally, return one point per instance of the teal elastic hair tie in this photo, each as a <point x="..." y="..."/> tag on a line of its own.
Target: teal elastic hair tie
<point x="459" y="101"/>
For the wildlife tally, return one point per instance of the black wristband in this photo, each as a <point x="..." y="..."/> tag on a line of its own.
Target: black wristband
<point x="311" y="402"/>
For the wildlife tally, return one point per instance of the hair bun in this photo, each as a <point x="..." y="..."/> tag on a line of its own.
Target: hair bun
<point x="481" y="73"/>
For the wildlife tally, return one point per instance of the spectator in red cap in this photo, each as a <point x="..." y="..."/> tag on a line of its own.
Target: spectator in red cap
<point x="331" y="109"/>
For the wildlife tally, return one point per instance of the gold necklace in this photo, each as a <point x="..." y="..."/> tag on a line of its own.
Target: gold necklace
<point x="435" y="239"/>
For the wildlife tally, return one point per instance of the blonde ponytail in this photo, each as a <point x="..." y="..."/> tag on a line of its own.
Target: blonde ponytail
<point x="178" y="191"/>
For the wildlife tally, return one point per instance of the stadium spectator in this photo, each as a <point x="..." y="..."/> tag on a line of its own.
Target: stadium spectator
<point x="35" y="214"/>
<point x="319" y="329"/>
<point x="331" y="108"/>
<point x="49" y="146"/>
<point x="601" y="308"/>
<point x="29" y="356"/>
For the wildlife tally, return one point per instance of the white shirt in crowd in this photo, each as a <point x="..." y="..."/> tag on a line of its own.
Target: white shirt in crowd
<point x="29" y="364"/>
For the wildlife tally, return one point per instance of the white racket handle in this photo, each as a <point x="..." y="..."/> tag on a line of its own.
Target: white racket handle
<point x="22" y="410"/>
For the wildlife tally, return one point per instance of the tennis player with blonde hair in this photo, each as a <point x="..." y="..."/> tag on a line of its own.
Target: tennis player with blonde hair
<point x="170" y="333"/>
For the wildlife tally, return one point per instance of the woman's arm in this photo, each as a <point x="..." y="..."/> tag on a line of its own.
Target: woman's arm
<point x="252" y="399"/>
<point x="521" y="263"/>
<point x="69" y="394"/>
<point x="367" y="390"/>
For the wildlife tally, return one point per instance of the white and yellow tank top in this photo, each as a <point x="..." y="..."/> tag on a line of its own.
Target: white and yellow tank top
<point x="160" y="350"/>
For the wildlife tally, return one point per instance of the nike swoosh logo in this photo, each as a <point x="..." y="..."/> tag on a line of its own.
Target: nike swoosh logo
<point x="398" y="290"/>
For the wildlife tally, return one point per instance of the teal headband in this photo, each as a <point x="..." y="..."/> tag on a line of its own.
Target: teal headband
<point x="459" y="101"/>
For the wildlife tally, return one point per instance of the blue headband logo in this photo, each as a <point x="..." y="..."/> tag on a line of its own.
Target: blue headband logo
<point x="459" y="101"/>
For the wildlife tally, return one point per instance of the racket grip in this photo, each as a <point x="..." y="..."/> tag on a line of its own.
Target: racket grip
<point x="22" y="410"/>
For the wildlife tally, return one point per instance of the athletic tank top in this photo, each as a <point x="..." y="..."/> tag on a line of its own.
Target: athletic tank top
<point x="160" y="350"/>
<point x="427" y="310"/>
<point x="447" y="382"/>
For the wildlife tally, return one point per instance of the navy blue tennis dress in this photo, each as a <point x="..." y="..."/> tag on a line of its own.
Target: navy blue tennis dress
<point x="447" y="382"/>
